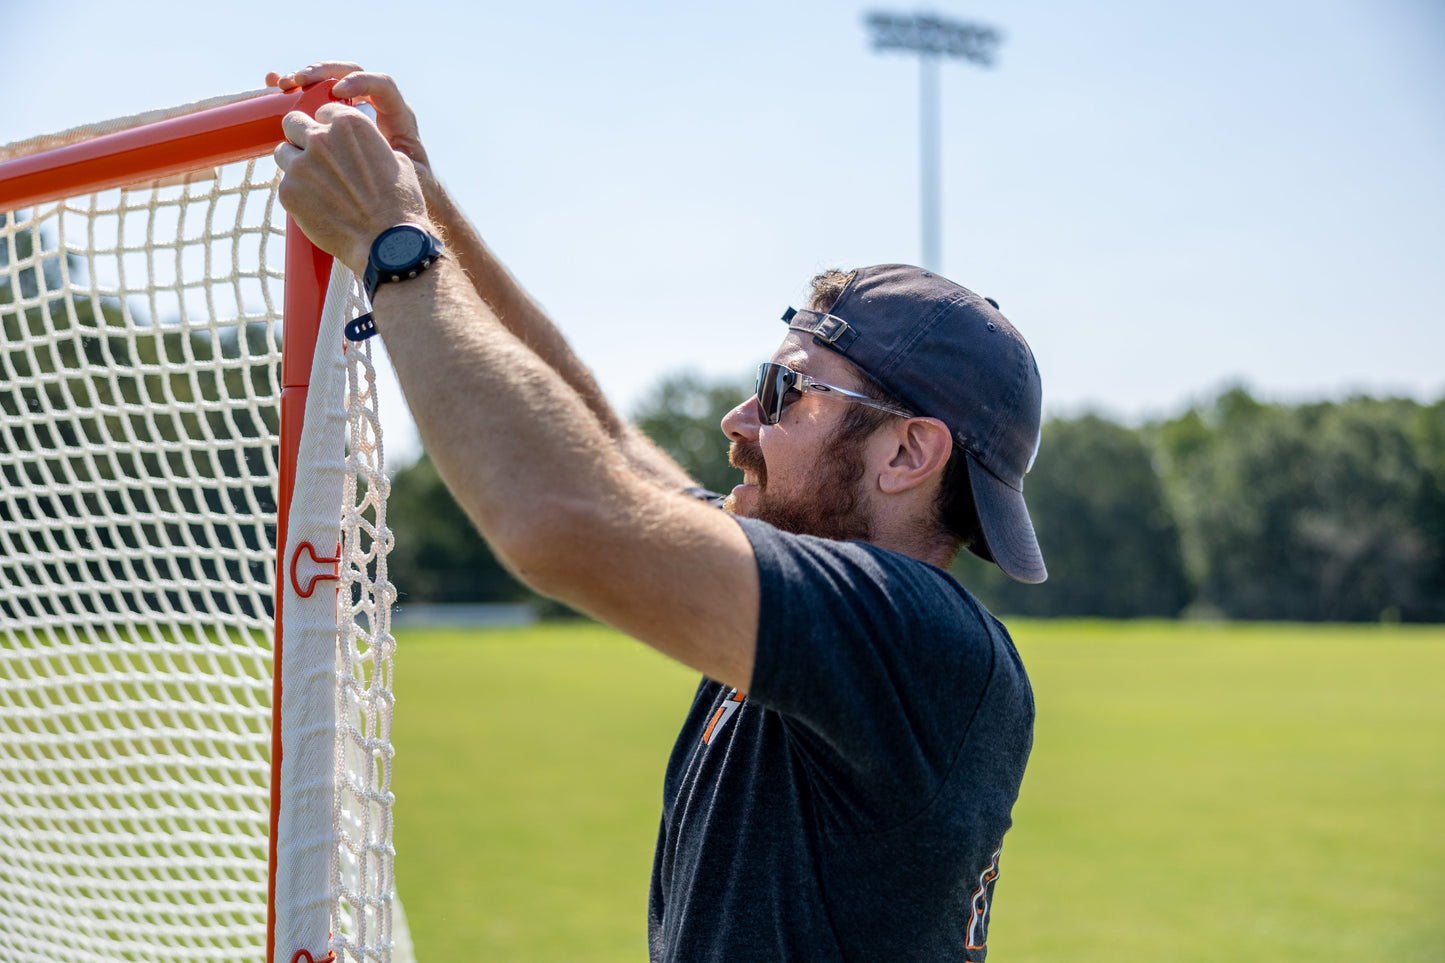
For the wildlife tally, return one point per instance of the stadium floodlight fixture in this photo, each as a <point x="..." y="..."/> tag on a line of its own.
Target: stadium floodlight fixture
<point x="927" y="34"/>
<point x="932" y="38"/>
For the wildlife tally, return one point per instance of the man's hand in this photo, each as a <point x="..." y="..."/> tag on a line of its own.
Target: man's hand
<point x="394" y="118"/>
<point x="344" y="183"/>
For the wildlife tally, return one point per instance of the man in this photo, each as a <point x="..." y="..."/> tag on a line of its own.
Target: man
<point x="842" y="784"/>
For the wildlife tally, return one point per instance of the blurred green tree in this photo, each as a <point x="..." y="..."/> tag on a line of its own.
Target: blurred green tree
<point x="439" y="556"/>
<point x="1327" y="511"/>
<point x="1250" y="510"/>
<point x="683" y="415"/>
<point x="1107" y="535"/>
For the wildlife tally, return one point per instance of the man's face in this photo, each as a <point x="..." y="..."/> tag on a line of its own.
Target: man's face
<point x="794" y="477"/>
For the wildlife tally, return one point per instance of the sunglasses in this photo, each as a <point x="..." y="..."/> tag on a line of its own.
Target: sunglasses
<point x="778" y="386"/>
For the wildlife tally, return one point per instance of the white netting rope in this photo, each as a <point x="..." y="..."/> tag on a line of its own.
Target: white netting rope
<point x="363" y="881"/>
<point x="139" y="381"/>
<point x="137" y="524"/>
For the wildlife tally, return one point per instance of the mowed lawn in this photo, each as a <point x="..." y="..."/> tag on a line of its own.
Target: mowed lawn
<point x="1197" y="792"/>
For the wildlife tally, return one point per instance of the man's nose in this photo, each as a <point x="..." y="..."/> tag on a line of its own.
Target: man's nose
<point x="742" y="423"/>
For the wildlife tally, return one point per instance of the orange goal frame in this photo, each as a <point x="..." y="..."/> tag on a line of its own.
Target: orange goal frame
<point x="210" y="138"/>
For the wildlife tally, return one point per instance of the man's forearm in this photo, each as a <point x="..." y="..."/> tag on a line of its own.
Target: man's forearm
<point x="512" y="305"/>
<point x="557" y="501"/>
<point x="526" y="320"/>
<point x="480" y="398"/>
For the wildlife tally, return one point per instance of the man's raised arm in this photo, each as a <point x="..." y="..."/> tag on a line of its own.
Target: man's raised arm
<point x="509" y="301"/>
<point x="526" y="457"/>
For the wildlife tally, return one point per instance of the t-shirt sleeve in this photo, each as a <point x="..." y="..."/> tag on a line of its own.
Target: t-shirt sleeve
<point x="876" y="663"/>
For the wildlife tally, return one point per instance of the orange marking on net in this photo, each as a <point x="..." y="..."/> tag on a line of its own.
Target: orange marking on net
<point x="304" y="956"/>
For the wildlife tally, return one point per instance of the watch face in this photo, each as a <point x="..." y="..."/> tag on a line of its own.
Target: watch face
<point x="401" y="248"/>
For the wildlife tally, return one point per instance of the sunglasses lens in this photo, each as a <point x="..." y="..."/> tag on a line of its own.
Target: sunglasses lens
<point x="774" y="380"/>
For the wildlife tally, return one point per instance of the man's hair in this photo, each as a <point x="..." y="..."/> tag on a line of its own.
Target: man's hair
<point x="956" y="514"/>
<point x="828" y="287"/>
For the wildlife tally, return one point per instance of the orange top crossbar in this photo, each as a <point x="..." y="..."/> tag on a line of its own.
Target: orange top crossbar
<point x="207" y="138"/>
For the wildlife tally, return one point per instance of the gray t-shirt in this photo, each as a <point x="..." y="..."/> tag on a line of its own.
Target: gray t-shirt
<point x="853" y="804"/>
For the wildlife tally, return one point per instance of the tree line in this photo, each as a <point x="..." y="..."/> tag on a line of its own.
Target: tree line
<point x="1237" y="508"/>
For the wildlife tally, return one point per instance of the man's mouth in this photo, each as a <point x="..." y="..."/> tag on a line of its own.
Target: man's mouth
<point x="749" y="459"/>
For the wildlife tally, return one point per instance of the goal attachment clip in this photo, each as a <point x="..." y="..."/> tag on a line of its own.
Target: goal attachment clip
<point x="305" y="593"/>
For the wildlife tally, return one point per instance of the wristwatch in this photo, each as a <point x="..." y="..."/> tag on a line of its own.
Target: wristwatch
<point x="399" y="253"/>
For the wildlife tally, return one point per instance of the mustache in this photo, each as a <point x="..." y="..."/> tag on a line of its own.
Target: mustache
<point x="748" y="456"/>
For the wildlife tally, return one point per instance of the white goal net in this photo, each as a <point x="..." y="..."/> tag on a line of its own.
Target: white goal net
<point x="144" y="474"/>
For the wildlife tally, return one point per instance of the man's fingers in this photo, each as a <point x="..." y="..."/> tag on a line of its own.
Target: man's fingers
<point x="352" y="83"/>
<point x="380" y="89"/>
<point x="334" y="110"/>
<point x="286" y="154"/>
<point x="393" y="118"/>
<point x="328" y="70"/>
<point x="296" y="127"/>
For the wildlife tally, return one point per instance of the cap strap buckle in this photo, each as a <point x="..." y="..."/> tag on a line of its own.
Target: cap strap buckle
<point x="827" y="328"/>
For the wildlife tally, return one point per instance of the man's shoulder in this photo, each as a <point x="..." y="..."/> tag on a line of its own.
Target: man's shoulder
<point x="775" y="545"/>
<point x="883" y="590"/>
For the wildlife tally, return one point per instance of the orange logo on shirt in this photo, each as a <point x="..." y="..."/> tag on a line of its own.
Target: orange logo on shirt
<point x="722" y="715"/>
<point x="978" y="919"/>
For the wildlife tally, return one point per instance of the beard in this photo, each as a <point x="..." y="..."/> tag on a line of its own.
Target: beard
<point x="828" y="500"/>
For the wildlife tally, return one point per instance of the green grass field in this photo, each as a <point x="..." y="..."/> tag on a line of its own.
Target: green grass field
<point x="1197" y="792"/>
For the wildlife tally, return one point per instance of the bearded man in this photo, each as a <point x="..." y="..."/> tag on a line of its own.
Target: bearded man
<point x="842" y="784"/>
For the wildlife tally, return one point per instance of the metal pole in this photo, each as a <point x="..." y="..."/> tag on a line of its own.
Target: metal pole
<point x="929" y="174"/>
<point x="932" y="38"/>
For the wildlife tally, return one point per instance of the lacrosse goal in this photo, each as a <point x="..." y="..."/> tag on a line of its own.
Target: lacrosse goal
<point x="186" y="454"/>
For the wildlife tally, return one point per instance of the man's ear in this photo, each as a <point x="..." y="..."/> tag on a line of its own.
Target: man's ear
<point x="922" y="447"/>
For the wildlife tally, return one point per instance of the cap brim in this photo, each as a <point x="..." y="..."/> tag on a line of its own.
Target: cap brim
<point x="1007" y="529"/>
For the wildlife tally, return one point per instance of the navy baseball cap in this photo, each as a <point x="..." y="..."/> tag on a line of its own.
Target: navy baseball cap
<point x="949" y="354"/>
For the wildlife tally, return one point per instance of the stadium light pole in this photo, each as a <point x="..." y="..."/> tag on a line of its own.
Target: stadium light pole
<point x="932" y="38"/>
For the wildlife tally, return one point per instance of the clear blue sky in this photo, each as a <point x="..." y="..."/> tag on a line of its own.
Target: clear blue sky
<point x="1164" y="197"/>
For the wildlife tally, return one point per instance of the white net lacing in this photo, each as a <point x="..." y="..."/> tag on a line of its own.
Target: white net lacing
<point x="365" y="913"/>
<point x="139" y="387"/>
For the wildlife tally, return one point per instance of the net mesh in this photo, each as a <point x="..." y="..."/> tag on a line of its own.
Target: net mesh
<point x="364" y="909"/>
<point x="139" y="424"/>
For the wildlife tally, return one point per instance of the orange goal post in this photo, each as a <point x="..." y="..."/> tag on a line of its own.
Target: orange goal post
<point x="189" y="448"/>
